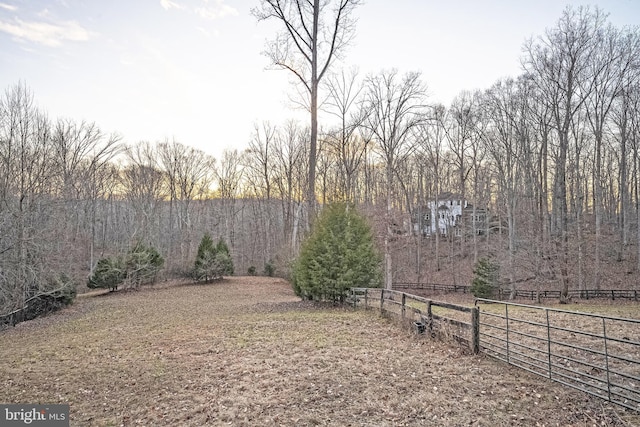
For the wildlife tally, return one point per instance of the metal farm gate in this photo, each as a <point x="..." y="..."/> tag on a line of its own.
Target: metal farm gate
<point x="599" y="355"/>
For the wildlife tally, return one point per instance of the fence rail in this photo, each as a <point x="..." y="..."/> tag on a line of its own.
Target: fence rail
<point x="599" y="355"/>
<point x="534" y="295"/>
<point x="433" y="287"/>
<point x="456" y="321"/>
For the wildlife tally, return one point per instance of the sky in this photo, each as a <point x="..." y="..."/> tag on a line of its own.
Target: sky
<point x="193" y="70"/>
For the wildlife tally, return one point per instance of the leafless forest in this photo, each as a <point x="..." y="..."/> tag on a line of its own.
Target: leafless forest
<point x="551" y="155"/>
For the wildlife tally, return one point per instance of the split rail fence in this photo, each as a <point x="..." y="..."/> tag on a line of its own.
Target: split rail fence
<point x="612" y="294"/>
<point x="599" y="355"/>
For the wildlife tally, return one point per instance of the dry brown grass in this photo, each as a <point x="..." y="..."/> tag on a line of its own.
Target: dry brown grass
<point x="247" y="352"/>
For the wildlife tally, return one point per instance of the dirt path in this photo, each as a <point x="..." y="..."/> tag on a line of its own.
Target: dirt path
<point x="247" y="352"/>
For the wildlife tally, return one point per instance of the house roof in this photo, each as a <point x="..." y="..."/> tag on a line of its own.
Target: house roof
<point x="447" y="196"/>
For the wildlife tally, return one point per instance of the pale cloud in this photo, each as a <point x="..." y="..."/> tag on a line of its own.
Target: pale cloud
<point x="44" y="33"/>
<point x="168" y="4"/>
<point x="204" y="32"/>
<point x="209" y="33"/>
<point x="126" y="61"/>
<point x="216" y="9"/>
<point x="8" y="7"/>
<point x="45" y="14"/>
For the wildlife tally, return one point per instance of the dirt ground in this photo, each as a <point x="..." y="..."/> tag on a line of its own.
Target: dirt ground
<point x="247" y="352"/>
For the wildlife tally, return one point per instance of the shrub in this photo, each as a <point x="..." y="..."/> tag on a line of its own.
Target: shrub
<point x="251" y="271"/>
<point x="64" y="288"/>
<point x="485" y="281"/>
<point x="269" y="269"/>
<point x="212" y="262"/>
<point x="108" y="274"/>
<point x="203" y="268"/>
<point x="140" y="266"/>
<point x="58" y="291"/>
<point x="224" y="258"/>
<point x="339" y="254"/>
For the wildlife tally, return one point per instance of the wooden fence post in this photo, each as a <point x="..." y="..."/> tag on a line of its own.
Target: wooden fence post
<point x="381" y="300"/>
<point x="475" y="330"/>
<point x="404" y="307"/>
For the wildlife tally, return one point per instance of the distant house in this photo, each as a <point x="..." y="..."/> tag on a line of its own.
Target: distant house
<point x="444" y="215"/>
<point x="475" y="220"/>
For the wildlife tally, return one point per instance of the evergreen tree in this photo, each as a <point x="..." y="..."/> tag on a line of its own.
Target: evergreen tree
<point x="269" y="269"/>
<point x="140" y="266"/>
<point x="223" y="258"/>
<point x="339" y="254"/>
<point x="486" y="274"/>
<point x="212" y="261"/>
<point x="143" y="264"/>
<point x="203" y="267"/>
<point x="109" y="273"/>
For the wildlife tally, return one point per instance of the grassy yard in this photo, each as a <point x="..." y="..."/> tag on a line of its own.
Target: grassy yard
<point x="247" y="352"/>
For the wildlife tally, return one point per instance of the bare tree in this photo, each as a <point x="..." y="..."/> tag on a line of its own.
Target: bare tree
<point x="505" y="140"/>
<point x="229" y="176"/>
<point x="259" y="159"/>
<point x="259" y="171"/>
<point x="606" y="74"/>
<point x="345" y="142"/>
<point x="326" y="173"/>
<point x="315" y="33"/>
<point x="98" y="170"/>
<point x="79" y="151"/>
<point x="558" y="63"/>
<point x="431" y="137"/>
<point x="190" y="174"/>
<point x="26" y="181"/>
<point x="396" y="106"/>
<point x="629" y="120"/>
<point x="461" y="130"/>
<point x="290" y="166"/>
<point x="145" y="188"/>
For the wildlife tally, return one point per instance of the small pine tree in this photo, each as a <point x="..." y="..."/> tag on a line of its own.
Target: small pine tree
<point x="224" y="259"/>
<point x="269" y="269"/>
<point x="485" y="281"/>
<point x="203" y="267"/>
<point x="109" y="273"/>
<point x="142" y="265"/>
<point x="212" y="261"/>
<point x="339" y="254"/>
